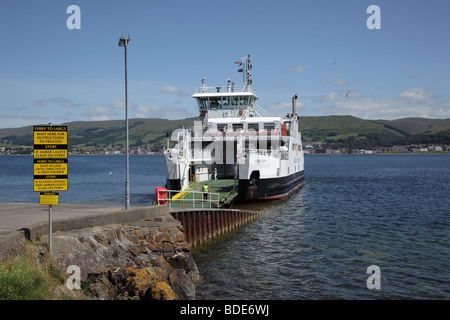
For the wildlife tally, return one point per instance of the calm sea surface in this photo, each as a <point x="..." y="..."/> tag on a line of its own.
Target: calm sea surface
<point x="392" y="211"/>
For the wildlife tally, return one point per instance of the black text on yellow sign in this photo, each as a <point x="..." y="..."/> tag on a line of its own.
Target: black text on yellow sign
<point x="50" y="142"/>
<point x="50" y="183"/>
<point x="49" y="198"/>
<point x="50" y="167"/>
<point x="50" y="158"/>
<point x="50" y="153"/>
<point x="50" y="135"/>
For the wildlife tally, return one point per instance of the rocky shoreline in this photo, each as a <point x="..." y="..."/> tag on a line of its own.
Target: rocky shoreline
<point x="147" y="259"/>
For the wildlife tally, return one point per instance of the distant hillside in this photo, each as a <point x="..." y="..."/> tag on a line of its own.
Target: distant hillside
<point x="337" y="131"/>
<point x="352" y="132"/>
<point x="412" y="126"/>
<point x="341" y="127"/>
<point x="143" y="133"/>
<point x="148" y="133"/>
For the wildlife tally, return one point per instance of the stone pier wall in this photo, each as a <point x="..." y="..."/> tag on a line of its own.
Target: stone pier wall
<point x="142" y="260"/>
<point x="142" y="253"/>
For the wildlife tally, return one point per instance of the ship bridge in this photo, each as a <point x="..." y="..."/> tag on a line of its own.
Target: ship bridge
<point x="215" y="103"/>
<point x="232" y="102"/>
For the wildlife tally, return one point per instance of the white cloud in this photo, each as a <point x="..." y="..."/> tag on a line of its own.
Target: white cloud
<point x="62" y="102"/>
<point x="340" y="95"/>
<point x="98" y="113"/>
<point x="415" y="94"/>
<point x="173" y="90"/>
<point x="295" y="69"/>
<point x="340" y="82"/>
<point x="148" y="111"/>
<point x="413" y="102"/>
<point x="159" y="111"/>
<point x="283" y="107"/>
<point x="118" y="104"/>
<point x="169" y="89"/>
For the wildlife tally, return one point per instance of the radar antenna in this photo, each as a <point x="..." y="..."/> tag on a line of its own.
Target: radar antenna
<point x="245" y="67"/>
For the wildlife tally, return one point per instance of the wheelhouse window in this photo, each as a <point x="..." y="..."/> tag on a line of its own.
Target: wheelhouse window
<point x="225" y="102"/>
<point x="243" y="102"/>
<point x="202" y="103"/>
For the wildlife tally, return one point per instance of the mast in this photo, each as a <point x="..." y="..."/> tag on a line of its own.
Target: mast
<point x="246" y="74"/>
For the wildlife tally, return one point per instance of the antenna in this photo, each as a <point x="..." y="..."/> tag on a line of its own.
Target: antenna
<point x="203" y="85"/>
<point x="246" y="75"/>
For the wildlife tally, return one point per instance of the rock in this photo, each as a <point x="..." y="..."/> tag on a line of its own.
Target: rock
<point x="134" y="251"/>
<point x="183" y="260"/>
<point x="162" y="237"/>
<point x="130" y="262"/>
<point x="181" y="284"/>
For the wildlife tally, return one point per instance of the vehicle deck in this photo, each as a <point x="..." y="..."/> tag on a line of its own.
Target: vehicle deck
<point x="220" y="194"/>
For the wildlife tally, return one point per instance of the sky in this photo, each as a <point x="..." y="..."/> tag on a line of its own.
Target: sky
<point x="325" y="51"/>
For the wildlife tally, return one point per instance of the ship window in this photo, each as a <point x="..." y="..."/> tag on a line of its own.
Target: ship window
<point x="202" y="103"/>
<point x="214" y="103"/>
<point x="243" y="101"/>
<point x="238" y="127"/>
<point x="226" y="101"/>
<point x="221" y="127"/>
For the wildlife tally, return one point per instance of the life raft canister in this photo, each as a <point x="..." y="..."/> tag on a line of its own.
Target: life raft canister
<point x="161" y="195"/>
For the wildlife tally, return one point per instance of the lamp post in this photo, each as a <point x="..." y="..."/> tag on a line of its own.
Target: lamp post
<point x="123" y="42"/>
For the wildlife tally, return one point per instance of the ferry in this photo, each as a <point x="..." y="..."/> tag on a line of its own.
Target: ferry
<point x="261" y="157"/>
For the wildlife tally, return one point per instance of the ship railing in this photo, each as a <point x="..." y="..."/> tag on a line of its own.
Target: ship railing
<point x="264" y="152"/>
<point x="225" y="89"/>
<point x="192" y="199"/>
<point x="260" y="112"/>
<point x="218" y="135"/>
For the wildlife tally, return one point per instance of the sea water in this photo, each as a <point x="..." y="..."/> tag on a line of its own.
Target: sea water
<point x="355" y="211"/>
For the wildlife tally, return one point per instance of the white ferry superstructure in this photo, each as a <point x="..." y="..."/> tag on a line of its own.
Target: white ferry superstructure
<point x="236" y="141"/>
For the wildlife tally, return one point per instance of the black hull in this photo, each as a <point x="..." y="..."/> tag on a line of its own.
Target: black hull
<point x="268" y="189"/>
<point x="173" y="184"/>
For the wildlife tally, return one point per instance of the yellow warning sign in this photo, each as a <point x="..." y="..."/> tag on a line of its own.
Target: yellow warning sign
<point x="50" y="137"/>
<point x="50" y="184"/>
<point x="50" y="166"/>
<point x="50" y="158"/>
<point x="50" y="153"/>
<point x="49" y="198"/>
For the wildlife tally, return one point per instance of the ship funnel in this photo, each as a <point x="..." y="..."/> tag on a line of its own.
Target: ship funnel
<point x="294" y="99"/>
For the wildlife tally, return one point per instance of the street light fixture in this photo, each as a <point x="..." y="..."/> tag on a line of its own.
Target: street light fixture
<point x="123" y="42"/>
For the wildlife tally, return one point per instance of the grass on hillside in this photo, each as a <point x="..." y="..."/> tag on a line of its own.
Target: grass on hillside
<point x="26" y="277"/>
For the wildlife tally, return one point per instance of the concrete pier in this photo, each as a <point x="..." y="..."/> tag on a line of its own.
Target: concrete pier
<point x="15" y="216"/>
<point x="20" y="221"/>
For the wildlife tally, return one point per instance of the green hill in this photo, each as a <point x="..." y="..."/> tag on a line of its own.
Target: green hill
<point x="143" y="133"/>
<point x="411" y="126"/>
<point x="337" y="131"/>
<point x="352" y="132"/>
<point x="341" y="127"/>
<point x="94" y="135"/>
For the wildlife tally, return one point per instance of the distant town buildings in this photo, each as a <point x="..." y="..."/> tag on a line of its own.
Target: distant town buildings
<point x="309" y="148"/>
<point x="322" y="148"/>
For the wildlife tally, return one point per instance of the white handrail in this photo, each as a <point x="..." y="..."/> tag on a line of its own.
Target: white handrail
<point x="259" y="110"/>
<point x="208" y="202"/>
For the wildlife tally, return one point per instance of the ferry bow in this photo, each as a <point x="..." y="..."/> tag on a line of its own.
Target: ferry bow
<point x="235" y="148"/>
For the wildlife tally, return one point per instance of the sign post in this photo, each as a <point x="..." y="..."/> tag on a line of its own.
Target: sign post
<point x="50" y="167"/>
